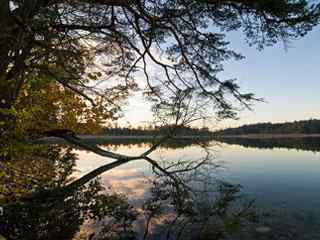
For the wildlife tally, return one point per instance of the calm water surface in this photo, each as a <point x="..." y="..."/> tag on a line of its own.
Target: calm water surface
<point x="285" y="180"/>
<point x="282" y="176"/>
<point x="272" y="176"/>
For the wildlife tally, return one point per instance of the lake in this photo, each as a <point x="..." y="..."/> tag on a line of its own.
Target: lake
<point x="229" y="188"/>
<point x="282" y="176"/>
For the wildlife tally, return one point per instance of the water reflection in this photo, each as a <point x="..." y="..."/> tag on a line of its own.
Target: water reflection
<point x="119" y="205"/>
<point x="306" y="144"/>
<point x="138" y="201"/>
<point x="135" y="142"/>
<point x="30" y="213"/>
<point x="278" y="178"/>
<point x="299" y="143"/>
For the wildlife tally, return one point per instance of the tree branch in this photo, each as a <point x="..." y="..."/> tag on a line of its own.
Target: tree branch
<point x="114" y="3"/>
<point x="120" y="160"/>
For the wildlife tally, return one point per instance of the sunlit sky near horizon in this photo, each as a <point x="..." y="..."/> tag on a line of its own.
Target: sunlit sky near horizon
<point x="287" y="79"/>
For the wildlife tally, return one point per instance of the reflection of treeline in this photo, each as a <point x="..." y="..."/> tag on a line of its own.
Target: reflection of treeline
<point x="154" y="130"/>
<point x="171" y="143"/>
<point x="298" y="127"/>
<point x="308" y="144"/>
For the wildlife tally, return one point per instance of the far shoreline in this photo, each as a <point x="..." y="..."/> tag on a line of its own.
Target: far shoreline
<point x="269" y="136"/>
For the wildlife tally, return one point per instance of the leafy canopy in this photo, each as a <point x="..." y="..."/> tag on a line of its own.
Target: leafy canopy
<point x="179" y="46"/>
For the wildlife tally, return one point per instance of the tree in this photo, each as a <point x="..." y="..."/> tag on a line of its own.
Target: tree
<point x="185" y="39"/>
<point x="82" y="45"/>
<point x="59" y="108"/>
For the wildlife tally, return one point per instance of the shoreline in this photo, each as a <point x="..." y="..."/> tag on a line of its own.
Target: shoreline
<point x="269" y="136"/>
<point x="112" y="138"/>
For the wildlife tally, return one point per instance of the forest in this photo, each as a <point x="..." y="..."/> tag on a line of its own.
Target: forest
<point x="311" y="126"/>
<point x="153" y="131"/>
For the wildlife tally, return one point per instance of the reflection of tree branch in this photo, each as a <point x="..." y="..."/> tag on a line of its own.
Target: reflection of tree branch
<point x="93" y="174"/>
<point x="164" y="171"/>
<point x="172" y="224"/>
<point x="120" y="160"/>
<point x="146" y="232"/>
<point x="190" y="166"/>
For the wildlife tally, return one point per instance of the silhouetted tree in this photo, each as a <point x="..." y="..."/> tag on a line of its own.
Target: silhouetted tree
<point x="73" y="42"/>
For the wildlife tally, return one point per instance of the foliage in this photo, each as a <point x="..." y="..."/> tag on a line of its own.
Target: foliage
<point x="50" y="106"/>
<point x="154" y="131"/>
<point x="45" y="105"/>
<point x="70" y="64"/>
<point x="76" y="43"/>
<point x="311" y="126"/>
<point x="37" y="169"/>
<point x="305" y="144"/>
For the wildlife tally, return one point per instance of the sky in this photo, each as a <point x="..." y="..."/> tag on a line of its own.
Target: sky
<point x="288" y="79"/>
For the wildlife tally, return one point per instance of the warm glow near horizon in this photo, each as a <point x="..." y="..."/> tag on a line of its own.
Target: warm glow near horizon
<point x="286" y="78"/>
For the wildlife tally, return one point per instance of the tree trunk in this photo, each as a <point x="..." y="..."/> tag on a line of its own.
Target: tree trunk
<point x="8" y="80"/>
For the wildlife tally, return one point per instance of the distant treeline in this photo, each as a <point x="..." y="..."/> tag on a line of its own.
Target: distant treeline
<point x="297" y="127"/>
<point x="306" y="144"/>
<point x="139" y="131"/>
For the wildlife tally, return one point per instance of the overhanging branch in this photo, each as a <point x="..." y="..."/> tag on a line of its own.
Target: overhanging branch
<point x="120" y="160"/>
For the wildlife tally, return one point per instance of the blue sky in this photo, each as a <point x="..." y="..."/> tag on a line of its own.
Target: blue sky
<point x="288" y="79"/>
